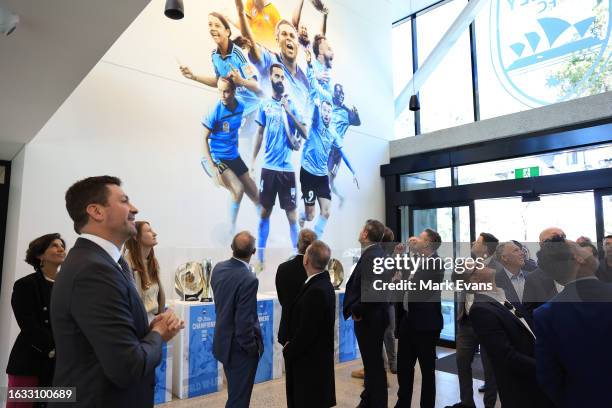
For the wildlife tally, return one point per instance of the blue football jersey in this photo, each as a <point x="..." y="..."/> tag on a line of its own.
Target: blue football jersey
<point x="224" y="125"/>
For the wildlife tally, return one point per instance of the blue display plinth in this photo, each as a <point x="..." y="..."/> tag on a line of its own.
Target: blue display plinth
<point x="163" y="376"/>
<point x="346" y="342"/>
<point x="196" y="371"/>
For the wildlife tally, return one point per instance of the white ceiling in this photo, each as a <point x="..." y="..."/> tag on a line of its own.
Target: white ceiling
<point x="55" y="45"/>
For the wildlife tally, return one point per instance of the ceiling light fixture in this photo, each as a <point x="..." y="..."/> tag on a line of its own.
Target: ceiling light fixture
<point x="174" y="9"/>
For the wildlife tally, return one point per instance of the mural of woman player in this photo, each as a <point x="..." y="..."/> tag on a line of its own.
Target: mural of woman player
<point x="221" y="147"/>
<point x="229" y="61"/>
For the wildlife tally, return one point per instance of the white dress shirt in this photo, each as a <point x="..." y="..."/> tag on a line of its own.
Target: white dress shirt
<point x="109" y="247"/>
<point x="312" y="276"/>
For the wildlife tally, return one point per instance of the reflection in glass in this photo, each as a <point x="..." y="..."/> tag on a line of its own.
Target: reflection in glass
<point x="446" y="96"/>
<point x="425" y="179"/>
<point x="402" y="72"/>
<point x="587" y="158"/>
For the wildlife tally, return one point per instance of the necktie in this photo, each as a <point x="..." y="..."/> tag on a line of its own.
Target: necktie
<point x="129" y="275"/>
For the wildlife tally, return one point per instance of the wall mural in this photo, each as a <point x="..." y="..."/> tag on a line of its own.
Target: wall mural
<point x="279" y="125"/>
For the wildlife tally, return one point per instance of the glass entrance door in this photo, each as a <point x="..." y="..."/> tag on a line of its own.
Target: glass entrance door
<point x="453" y="223"/>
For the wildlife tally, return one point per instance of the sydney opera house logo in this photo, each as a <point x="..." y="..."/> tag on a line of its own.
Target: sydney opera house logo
<point x="547" y="51"/>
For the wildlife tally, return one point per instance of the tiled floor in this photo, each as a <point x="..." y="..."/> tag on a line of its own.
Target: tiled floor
<point x="272" y="393"/>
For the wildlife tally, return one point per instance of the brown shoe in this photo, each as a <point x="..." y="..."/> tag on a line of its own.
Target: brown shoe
<point x="358" y="374"/>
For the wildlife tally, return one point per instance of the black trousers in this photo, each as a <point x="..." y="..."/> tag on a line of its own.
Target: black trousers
<point x="370" y="333"/>
<point x="412" y="346"/>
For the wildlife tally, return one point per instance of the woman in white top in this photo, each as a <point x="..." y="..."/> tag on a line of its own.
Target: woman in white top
<point x="139" y="253"/>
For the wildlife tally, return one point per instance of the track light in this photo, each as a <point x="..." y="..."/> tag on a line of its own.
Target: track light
<point x="174" y="9"/>
<point x="8" y="21"/>
<point x="414" y="103"/>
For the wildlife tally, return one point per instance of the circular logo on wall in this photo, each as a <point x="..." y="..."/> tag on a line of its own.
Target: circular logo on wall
<point x="547" y="51"/>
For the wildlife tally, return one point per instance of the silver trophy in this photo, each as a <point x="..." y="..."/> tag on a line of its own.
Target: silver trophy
<point x="207" y="267"/>
<point x="189" y="281"/>
<point x="336" y="272"/>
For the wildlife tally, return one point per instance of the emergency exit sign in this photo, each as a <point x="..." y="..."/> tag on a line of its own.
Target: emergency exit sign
<point x="527" y="172"/>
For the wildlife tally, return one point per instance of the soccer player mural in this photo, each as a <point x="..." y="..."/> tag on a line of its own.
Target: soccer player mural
<point x="277" y="91"/>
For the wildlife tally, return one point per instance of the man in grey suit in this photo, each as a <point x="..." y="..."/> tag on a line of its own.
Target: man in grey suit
<point x="238" y="342"/>
<point x="105" y="346"/>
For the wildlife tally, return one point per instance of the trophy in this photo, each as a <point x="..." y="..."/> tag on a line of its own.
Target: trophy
<point x="189" y="281"/>
<point x="336" y="272"/>
<point x="207" y="268"/>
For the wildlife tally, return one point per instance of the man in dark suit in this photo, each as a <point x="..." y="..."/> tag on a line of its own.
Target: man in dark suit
<point x="370" y="315"/>
<point x="309" y="352"/>
<point x="238" y="342"/>
<point x="509" y="342"/>
<point x="419" y="322"/>
<point x="105" y="346"/>
<point x="573" y="330"/>
<point x="539" y="287"/>
<point x="290" y="277"/>
<point x="466" y="340"/>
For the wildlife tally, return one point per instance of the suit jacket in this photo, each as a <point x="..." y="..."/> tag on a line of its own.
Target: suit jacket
<point x="104" y="345"/>
<point x="353" y="304"/>
<point x="237" y="325"/>
<point x="510" y="347"/>
<point x="573" y="338"/>
<point x="290" y="277"/>
<point x="461" y="315"/>
<point x="424" y="306"/>
<point x="604" y="273"/>
<point x="30" y="354"/>
<point x="539" y="289"/>
<point x="503" y="281"/>
<point x="309" y="356"/>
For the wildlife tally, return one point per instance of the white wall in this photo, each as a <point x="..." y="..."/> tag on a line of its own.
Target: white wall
<point x="135" y="117"/>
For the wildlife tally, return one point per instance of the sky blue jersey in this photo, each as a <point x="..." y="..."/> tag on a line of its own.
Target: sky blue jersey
<point x="277" y="153"/>
<point x="235" y="59"/>
<point x="224" y="125"/>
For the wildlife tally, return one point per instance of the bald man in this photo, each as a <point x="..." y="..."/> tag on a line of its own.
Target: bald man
<point x="238" y="342"/>
<point x="539" y="286"/>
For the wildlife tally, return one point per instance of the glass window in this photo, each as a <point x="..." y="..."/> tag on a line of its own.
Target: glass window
<point x="534" y="53"/>
<point x="510" y="218"/>
<point x="607" y="214"/>
<point x="425" y="179"/>
<point x="587" y="158"/>
<point x="446" y="96"/>
<point x="402" y="73"/>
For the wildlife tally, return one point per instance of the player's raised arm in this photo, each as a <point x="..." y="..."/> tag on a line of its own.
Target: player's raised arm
<point x="206" y="80"/>
<point x="353" y="117"/>
<point x="301" y="127"/>
<point x="249" y="83"/>
<point x="245" y="29"/>
<point x="316" y="90"/>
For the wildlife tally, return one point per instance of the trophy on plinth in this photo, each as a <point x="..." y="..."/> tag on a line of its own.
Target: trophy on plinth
<point x="189" y="281"/>
<point x="336" y="272"/>
<point x="207" y="269"/>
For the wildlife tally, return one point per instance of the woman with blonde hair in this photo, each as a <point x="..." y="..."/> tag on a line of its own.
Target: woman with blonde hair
<point x="139" y="253"/>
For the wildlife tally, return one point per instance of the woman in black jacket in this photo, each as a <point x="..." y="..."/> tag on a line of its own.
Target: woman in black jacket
<point x="32" y="359"/>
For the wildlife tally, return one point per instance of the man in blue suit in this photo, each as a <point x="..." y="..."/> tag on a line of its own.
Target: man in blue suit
<point x="573" y="330"/>
<point x="238" y="342"/>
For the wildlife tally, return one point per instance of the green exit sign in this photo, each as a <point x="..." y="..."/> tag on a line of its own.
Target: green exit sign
<point x="527" y="172"/>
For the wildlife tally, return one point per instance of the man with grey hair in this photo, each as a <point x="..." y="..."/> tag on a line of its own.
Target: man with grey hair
<point x="510" y="275"/>
<point x="290" y="277"/>
<point x="237" y="343"/>
<point x="309" y="352"/>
